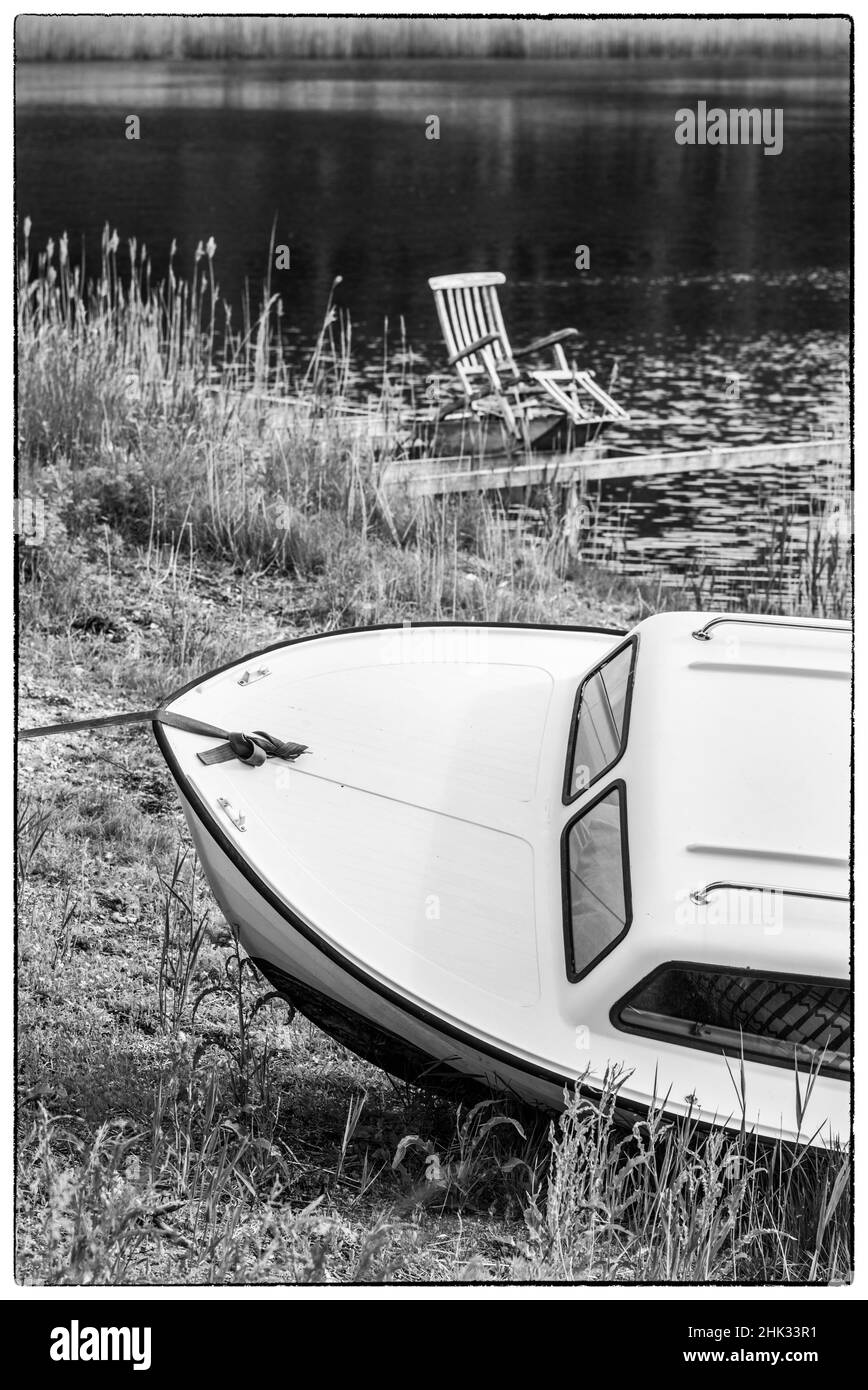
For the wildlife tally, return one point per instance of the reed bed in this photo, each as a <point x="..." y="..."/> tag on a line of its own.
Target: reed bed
<point x="145" y="406"/>
<point x="803" y="565"/>
<point x="128" y="37"/>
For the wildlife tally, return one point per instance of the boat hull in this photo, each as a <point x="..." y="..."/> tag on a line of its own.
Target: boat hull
<point x="472" y="436"/>
<point x="467" y="435"/>
<point x="401" y="884"/>
<point x="335" y="998"/>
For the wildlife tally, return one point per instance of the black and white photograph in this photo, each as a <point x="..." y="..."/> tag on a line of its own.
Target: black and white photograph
<point x="433" y="618"/>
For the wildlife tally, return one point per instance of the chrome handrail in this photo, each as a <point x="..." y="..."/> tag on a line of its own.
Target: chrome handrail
<point x="702" y="634"/>
<point x="700" y="895"/>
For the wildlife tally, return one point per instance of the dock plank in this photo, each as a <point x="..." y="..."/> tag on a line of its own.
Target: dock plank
<point x="433" y="477"/>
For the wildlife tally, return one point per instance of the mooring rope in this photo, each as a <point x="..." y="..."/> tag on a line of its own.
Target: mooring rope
<point x="252" y="749"/>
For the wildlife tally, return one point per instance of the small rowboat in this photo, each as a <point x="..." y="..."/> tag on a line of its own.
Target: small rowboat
<point x="521" y="855"/>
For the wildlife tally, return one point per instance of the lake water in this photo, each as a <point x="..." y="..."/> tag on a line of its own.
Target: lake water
<point x="707" y="264"/>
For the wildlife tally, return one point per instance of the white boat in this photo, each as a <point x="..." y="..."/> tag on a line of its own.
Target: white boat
<point x="526" y="854"/>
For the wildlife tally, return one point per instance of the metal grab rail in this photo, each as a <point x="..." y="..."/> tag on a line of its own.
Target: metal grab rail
<point x="703" y="634"/>
<point x="700" y="895"/>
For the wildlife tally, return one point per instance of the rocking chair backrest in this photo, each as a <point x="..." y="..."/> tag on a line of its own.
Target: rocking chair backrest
<point x="468" y="309"/>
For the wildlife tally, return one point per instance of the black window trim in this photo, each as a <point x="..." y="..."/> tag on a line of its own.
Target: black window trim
<point x="741" y="1045"/>
<point x="620" y="786"/>
<point x="567" y="797"/>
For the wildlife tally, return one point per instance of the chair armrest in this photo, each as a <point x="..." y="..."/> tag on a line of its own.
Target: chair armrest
<point x="473" y="347"/>
<point x="549" y="341"/>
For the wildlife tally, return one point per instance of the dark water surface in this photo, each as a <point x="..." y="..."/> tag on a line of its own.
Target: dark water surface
<point x="705" y="261"/>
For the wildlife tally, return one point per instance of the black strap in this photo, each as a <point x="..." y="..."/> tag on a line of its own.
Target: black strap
<point x="252" y="749"/>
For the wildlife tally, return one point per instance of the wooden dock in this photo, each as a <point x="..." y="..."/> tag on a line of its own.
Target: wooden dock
<point x="431" y="477"/>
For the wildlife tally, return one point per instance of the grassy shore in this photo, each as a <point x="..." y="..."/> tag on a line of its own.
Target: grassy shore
<point x="65" y="37"/>
<point x="175" y="1123"/>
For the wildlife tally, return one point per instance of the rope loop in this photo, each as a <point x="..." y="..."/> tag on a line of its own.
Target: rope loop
<point x="252" y="749"/>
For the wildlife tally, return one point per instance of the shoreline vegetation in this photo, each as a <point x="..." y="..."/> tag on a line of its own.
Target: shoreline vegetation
<point x="175" y="1123"/>
<point x="65" y="38"/>
<point x="147" y="408"/>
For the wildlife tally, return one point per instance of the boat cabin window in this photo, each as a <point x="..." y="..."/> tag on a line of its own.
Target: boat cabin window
<point x="596" y="881"/>
<point x="779" y="1019"/>
<point x="602" y="712"/>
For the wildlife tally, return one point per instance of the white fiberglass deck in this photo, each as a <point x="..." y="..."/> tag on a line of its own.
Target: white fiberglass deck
<point x="421" y="836"/>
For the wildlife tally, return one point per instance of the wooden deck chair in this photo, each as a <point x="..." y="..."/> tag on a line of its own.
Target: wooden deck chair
<point x="489" y="370"/>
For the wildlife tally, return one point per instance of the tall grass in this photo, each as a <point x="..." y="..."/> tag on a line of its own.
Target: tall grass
<point x="100" y="354"/>
<point x="146" y="407"/>
<point x="667" y="1203"/>
<point x="803" y="564"/>
<point x="209" y="1191"/>
<point x="65" y="37"/>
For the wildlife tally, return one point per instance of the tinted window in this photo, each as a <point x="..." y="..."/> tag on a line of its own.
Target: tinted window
<point x="597" y="894"/>
<point x="773" y="1019"/>
<point x="600" y="731"/>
